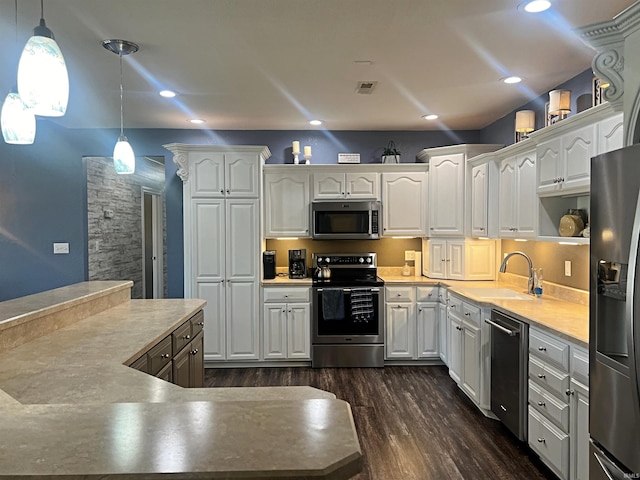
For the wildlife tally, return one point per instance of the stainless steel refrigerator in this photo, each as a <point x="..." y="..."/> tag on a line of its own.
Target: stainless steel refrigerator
<point x="614" y="316"/>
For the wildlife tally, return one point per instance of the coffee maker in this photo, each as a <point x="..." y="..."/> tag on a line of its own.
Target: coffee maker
<point x="298" y="263"/>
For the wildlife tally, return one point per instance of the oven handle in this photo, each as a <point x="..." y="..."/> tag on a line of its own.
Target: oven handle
<point x="348" y="290"/>
<point x="511" y="333"/>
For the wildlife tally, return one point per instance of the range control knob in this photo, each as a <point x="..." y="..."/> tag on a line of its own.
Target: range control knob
<point x="368" y="259"/>
<point x="361" y="260"/>
<point x="327" y="260"/>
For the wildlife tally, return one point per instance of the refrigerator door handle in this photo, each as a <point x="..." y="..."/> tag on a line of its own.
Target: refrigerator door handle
<point x="609" y="469"/>
<point x="632" y="331"/>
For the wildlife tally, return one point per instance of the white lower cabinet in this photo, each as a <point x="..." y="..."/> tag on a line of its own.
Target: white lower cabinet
<point x="443" y="331"/>
<point x="411" y="330"/>
<point x="559" y="404"/>
<point x="286" y="321"/>
<point x="469" y="352"/>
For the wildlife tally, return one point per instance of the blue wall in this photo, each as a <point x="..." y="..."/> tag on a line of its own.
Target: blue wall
<point x="43" y="191"/>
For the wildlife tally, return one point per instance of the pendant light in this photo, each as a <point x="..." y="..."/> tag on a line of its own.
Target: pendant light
<point x="124" y="160"/>
<point x="18" y="122"/>
<point x="43" y="81"/>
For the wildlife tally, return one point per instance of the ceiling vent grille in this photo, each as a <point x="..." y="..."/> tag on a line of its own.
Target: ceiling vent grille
<point x="366" y="88"/>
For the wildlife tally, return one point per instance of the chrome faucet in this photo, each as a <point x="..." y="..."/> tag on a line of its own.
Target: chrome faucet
<point x="503" y="267"/>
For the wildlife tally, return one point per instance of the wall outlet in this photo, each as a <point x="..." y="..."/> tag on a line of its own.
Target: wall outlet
<point x="108" y="213"/>
<point x="409" y="255"/>
<point x="567" y="268"/>
<point x="59" y="248"/>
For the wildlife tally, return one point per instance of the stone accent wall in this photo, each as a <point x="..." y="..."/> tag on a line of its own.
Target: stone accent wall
<point x="114" y="219"/>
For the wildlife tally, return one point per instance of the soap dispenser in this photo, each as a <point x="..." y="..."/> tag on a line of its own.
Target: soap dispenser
<point x="406" y="270"/>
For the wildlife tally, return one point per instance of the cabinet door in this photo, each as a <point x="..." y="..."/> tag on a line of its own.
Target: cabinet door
<point x="241" y="175"/>
<point x="437" y="258"/>
<point x="427" y="329"/>
<point x="610" y="134"/>
<point x="577" y="150"/>
<point x="180" y="372"/>
<point x="507" y="187"/>
<point x="287" y="209"/>
<point x="299" y="330"/>
<point x="400" y="330"/>
<point x="479" y="200"/>
<point x="548" y="158"/>
<point x="242" y="239"/>
<point x="446" y="195"/>
<point x="455" y="348"/>
<point x="274" y="340"/>
<point x="327" y="186"/>
<point x="207" y="174"/>
<point x="214" y="318"/>
<point x="526" y="198"/>
<point x="207" y="240"/>
<point x="480" y="260"/>
<point x="242" y="321"/>
<point x="471" y="360"/>
<point x="404" y="196"/>
<point x="363" y="185"/>
<point x="196" y="361"/>
<point x="455" y="260"/>
<point x="443" y="333"/>
<point x="579" y="432"/>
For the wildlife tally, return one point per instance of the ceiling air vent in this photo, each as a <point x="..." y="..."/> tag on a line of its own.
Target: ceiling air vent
<point x="366" y="88"/>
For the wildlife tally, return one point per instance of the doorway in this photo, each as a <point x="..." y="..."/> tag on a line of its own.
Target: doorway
<point x="152" y="244"/>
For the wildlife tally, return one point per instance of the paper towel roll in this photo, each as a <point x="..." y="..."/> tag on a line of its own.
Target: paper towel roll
<point x="418" y="264"/>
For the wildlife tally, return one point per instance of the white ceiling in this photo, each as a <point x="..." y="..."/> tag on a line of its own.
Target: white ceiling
<point x="276" y="64"/>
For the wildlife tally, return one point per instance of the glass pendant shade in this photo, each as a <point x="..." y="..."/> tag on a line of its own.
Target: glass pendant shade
<point x="43" y="81"/>
<point x="18" y="121"/>
<point x="124" y="161"/>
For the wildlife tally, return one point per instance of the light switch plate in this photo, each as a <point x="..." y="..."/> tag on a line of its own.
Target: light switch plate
<point x="567" y="268"/>
<point x="409" y="255"/>
<point x="59" y="248"/>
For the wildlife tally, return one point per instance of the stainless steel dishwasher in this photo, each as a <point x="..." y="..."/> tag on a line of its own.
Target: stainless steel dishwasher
<point x="509" y="371"/>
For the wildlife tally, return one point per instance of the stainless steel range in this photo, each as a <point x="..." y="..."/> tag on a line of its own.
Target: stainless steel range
<point x="348" y="306"/>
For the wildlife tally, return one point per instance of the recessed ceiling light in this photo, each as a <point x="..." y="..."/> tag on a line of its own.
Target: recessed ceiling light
<point x="512" y="80"/>
<point x="167" y="94"/>
<point x="433" y="116"/>
<point x="197" y="121"/>
<point x="537" y="6"/>
<point x="315" y="122"/>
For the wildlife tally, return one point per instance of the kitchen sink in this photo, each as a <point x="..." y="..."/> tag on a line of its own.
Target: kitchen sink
<point x="495" y="293"/>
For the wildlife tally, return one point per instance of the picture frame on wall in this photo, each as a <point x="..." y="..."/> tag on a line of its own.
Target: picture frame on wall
<point x="598" y="90"/>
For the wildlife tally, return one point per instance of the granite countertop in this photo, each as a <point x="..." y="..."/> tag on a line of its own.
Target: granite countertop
<point x="70" y="408"/>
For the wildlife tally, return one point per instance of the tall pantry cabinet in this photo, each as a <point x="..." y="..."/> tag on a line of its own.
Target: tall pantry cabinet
<point x="221" y="206"/>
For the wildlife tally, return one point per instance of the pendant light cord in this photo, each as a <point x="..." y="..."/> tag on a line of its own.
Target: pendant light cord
<point x="41" y="8"/>
<point x="121" y="89"/>
<point x="16" y="23"/>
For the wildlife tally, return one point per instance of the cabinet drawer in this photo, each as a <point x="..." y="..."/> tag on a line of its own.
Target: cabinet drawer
<point x="400" y="294"/>
<point x="549" y="442"/>
<point x="549" y="349"/>
<point x="549" y="377"/>
<point x="455" y="303"/>
<point x="580" y="365"/>
<point x="549" y="405"/>
<point x="197" y="323"/>
<point x="181" y="336"/>
<point x="427" y="294"/>
<point x="289" y="294"/>
<point x="159" y="355"/>
<point x="471" y="313"/>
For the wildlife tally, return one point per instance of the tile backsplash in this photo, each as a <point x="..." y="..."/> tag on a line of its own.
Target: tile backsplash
<point x="390" y="250"/>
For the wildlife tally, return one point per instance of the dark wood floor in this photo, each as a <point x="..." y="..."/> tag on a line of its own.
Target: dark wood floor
<point x="413" y="422"/>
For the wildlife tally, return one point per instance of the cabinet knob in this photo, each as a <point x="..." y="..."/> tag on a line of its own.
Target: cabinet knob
<point x="570" y="392"/>
<point x="541" y="404"/>
<point x="419" y="309"/>
<point x="201" y="324"/>
<point x="541" y="440"/>
<point x="482" y="229"/>
<point x="467" y="314"/>
<point x="399" y="306"/>
<point x="561" y="179"/>
<point x="542" y="375"/>
<point x="228" y="191"/>
<point x="222" y="191"/>
<point x="399" y="294"/>
<point x="194" y="352"/>
<point x="165" y="355"/>
<point x="431" y="228"/>
<point x="459" y="328"/>
<point x="430" y="295"/>
<point x="187" y="337"/>
<point x="342" y="193"/>
<point x="555" y="180"/>
<point x="542" y="349"/>
<point x="453" y="306"/>
<point x="289" y="310"/>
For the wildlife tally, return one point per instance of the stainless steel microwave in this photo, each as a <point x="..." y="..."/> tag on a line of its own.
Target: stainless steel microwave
<point x="348" y="220"/>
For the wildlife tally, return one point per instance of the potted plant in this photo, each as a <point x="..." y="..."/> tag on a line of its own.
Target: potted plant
<point x="391" y="153"/>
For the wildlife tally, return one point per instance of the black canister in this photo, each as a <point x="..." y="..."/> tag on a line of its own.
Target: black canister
<point x="269" y="264"/>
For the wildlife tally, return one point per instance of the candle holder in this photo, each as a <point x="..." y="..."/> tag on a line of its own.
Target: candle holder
<point x="296" y="160"/>
<point x="307" y="159"/>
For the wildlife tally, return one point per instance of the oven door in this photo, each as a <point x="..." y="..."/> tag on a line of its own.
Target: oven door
<point x="349" y="329"/>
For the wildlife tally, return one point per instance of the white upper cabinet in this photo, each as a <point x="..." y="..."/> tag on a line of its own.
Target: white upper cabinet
<point x="224" y="174"/>
<point x="446" y="195"/>
<point x="287" y="203"/>
<point x="404" y="200"/>
<point x="610" y="133"/>
<point x="480" y="200"/>
<point x="461" y="259"/>
<point x="517" y="193"/>
<point x="338" y="185"/>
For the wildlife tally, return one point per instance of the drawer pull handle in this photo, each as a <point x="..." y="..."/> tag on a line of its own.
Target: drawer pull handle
<point x="194" y="352"/>
<point x="467" y="314"/>
<point x="165" y="355"/>
<point x="542" y="375"/>
<point x="570" y="392"/>
<point x="542" y="349"/>
<point x="541" y="440"/>
<point x="201" y="324"/>
<point x="541" y="404"/>
<point x="399" y="294"/>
